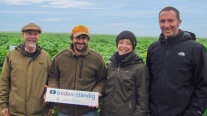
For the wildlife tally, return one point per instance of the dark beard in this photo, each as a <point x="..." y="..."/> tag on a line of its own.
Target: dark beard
<point x="81" y="50"/>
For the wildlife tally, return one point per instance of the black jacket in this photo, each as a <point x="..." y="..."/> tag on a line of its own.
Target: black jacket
<point x="178" y="76"/>
<point x="126" y="91"/>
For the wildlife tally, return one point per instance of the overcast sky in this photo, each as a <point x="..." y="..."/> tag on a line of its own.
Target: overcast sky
<point x="101" y="16"/>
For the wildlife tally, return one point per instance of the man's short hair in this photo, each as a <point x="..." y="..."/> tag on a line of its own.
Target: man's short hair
<point x="168" y="8"/>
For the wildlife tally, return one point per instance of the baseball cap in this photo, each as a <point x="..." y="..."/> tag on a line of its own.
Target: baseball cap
<point x="31" y="26"/>
<point x="79" y="30"/>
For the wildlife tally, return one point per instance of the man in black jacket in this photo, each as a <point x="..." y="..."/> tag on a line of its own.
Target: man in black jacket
<point x="178" y="70"/>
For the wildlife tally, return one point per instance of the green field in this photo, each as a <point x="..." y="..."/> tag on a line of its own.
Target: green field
<point x="55" y="42"/>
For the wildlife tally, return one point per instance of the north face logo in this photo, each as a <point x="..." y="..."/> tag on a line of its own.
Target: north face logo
<point x="181" y="53"/>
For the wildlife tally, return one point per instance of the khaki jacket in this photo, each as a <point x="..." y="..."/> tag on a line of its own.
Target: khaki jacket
<point x="22" y="82"/>
<point x="86" y="72"/>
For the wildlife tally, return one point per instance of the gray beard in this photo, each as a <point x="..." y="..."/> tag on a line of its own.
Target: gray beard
<point x="29" y="45"/>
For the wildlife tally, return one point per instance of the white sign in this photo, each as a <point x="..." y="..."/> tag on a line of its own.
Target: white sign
<point x="11" y="47"/>
<point x="72" y="97"/>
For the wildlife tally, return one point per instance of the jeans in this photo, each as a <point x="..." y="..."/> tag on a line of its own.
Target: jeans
<point x="91" y="113"/>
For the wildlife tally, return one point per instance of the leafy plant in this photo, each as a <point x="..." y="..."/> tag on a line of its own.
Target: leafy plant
<point x="53" y="43"/>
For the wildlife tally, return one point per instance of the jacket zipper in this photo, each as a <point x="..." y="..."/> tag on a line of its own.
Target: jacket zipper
<point x="165" y="59"/>
<point x="75" y="81"/>
<point x="130" y="106"/>
<point x="165" y="64"/>
<point x="76" y="66"/>
<point x="113" y="89"/>
<point x="30" y="60"/>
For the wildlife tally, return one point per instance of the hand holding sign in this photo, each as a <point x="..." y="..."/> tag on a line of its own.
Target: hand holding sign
<point x="99" y="95"/>
<point x="72" y="97"/>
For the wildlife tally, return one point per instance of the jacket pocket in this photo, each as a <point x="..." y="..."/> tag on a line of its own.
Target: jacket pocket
<point x="16" y="102"/>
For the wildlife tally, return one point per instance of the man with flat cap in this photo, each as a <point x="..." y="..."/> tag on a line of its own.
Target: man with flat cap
<point x="24" y="76"/>
<point x="78" y="68"/>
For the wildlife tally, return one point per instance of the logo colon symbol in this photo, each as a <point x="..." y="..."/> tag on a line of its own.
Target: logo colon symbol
<point x="52" y="92"/>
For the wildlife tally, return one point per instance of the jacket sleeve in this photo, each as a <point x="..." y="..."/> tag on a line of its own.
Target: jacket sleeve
<point x="100" y="77"/>
<point x="142" y="88"/>
<point x="5" y="84"/>
<point x="198" y="103"/>
<point x="53" y="76"/>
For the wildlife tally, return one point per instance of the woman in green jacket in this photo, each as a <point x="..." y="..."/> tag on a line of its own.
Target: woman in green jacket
<point x="126" y="90"/>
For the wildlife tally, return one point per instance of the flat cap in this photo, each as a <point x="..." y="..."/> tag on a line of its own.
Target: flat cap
<point x="31" y="26"/>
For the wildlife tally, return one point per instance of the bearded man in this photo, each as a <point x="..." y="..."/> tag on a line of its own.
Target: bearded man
<point x="78" y="68"/>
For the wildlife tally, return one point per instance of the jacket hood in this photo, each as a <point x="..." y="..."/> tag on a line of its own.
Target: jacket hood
<point x="132" y="58"/>
<point x="189" y="35"/>
<point x="37" y="52"/>
<point x="182" y="36"/>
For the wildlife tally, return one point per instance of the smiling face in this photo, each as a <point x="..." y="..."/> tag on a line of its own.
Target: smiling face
<point x="30" y="38"/>
<point x="80" y="43"/>
<point x="169" y="23"/>
<point x="124" y="46"/>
